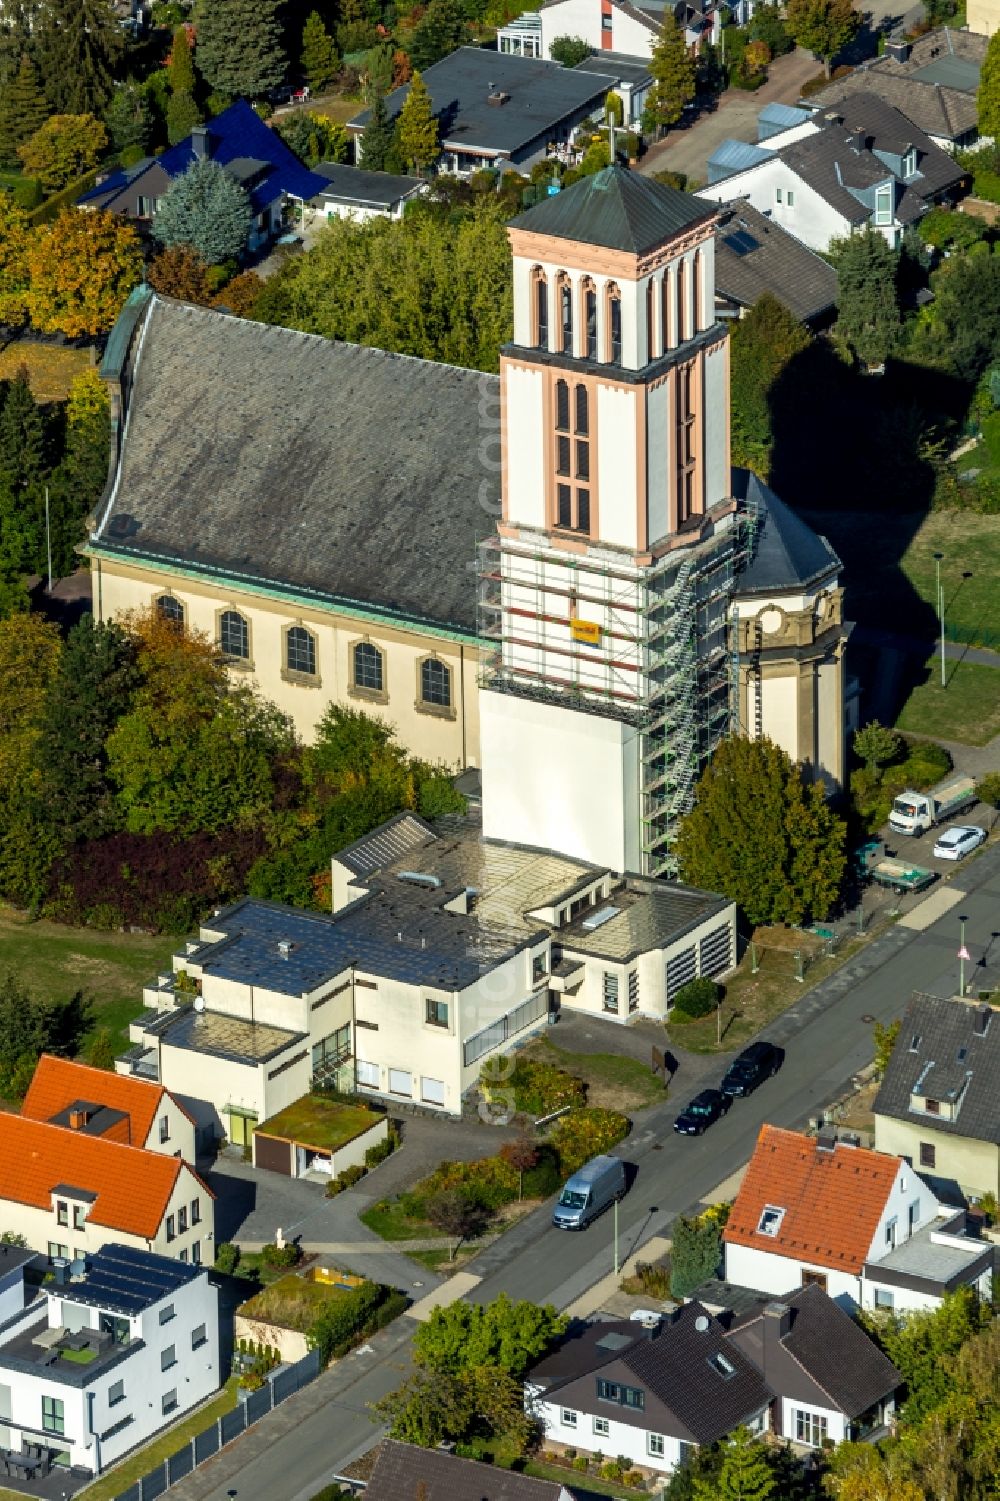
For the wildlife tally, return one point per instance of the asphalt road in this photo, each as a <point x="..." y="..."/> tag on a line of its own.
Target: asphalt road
<point x="295" y="1451"/>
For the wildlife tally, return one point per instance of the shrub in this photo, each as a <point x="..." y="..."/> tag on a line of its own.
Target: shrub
<point x="695" y="1252"/>
<point x="583" y="1134"/>
<point x="580" y="1463"/>
<point x="279" y="1256"/>
<point x="696" y="998"/>
<point x="381" y="1150"/>
<point x="346" y="1319"/>
<point x="334" y="1187"/>
<point x="748" y="85"/>
<point x="544" y="1178"/>
<point x="227" y="1258"/>
<point x="539" y="1088"/>
<point x="488" y="1183"/>
<point x="353" y="1174"/>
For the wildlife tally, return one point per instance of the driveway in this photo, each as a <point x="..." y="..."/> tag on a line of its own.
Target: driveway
<point x="735" y="118"/>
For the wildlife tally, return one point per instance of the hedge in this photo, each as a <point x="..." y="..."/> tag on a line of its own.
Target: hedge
<point x="358" y="1313"/>
<point x="65" y="198"/>
<point x="696" y="998"/>
<point x="583" y="1134"/>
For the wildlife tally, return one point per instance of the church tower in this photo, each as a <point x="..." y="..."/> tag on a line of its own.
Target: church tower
<point x="606" y="595"/>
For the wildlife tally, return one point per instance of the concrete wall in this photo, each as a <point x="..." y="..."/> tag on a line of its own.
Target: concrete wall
<point x="973" y="1165"/>
<point x="289" y="1343"/>
<point x="451" y="738"/>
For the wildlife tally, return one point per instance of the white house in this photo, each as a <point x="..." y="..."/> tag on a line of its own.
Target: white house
<point x="631" y="29"/>
<point x="352" y="193"/>
<point x="99" y="1363"/>
<point x="117" y="1108"/>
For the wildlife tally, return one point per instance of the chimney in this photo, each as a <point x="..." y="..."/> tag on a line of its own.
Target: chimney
<point x="777" y="1321"/>
<point x="200" y="143"/>
<point x="982" y="1020"/>
<point x="285" y="947"/>
<point x="826" y="1141"/>
<point x="898" y="50"/>
<point x="77" y="1119"/>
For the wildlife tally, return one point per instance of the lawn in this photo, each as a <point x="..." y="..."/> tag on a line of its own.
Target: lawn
<point x="613" y="1081"/>
<point x="53" y="961"/>
<point x="752" y="1000"/>
<point x="253" y="1267"/>
<point x="292" y="1301"/>
<point x="143" y="1460"/>
<point x="51" y="371"/>
<point x="389" y="1220"/>
<point x="967" y="709"/>
<point x="316" y="1122"/>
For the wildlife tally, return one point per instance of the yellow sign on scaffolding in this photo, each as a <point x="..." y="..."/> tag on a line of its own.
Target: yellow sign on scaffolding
<point x="585" y="631"/>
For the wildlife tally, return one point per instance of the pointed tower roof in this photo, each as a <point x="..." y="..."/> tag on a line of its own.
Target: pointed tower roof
<point x="789" y="553"/>
<point x="617" y="209"/>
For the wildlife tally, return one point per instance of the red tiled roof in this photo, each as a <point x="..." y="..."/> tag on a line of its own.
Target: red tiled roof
<point x="57" y="1082"/>
<point x="832" y="1200"/>
<point x="133" y="1186"/>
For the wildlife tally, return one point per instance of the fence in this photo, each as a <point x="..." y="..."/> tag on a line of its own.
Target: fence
<point x="249" y="1410"/>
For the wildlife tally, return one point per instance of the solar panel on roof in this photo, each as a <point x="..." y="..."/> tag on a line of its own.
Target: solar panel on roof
<point x="740" y="242"/>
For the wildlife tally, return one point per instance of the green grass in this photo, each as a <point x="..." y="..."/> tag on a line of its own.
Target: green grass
<point x="432" y="1260"/>
<point x="253" y="1266"/>
<point x="316" y="1122"/>
<point x="392" y="1223"/>
<point x="78" y="1357"/>
<point x="53" y="961"/>
<point x="143" y="1460"/>
<point x="292" y="1302"/>
<point x="967" y="709"/>
<point x="613" y="1081"/>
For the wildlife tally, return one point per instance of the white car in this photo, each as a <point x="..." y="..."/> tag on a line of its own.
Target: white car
<point x="960" y="840"/>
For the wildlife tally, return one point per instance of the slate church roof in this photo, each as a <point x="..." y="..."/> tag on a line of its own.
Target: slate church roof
<point x="616" y="209"/>
<point x="789" y="554"/>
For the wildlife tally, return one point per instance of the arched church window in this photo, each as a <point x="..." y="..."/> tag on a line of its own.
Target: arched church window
<point x="590" y="318"/>
<point x="566" y="314"/>
<point x="541" y="308"/>
<point x="683" y="276"/>
<point x="614" y="298"/>
<point x="572" y="457"/>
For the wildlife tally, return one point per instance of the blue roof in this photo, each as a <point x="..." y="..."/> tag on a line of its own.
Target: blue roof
<point x="734" y="156"/>
<point x="240" y="136"/>
<point x="128" y="1281"/>
<point x="781" y="117"/>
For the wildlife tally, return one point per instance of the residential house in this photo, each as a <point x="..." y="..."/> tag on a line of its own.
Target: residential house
<point x="71" y="1193"/>
<point x="818" y="1210"/>
<point x="352" y="193"/>
<point x="938" y="1105"/>
<point x="402" y="1471"/>
<point x="754" y="255"/>
<point x="101" y="1361"/>
<point x="442" y="950"/>
<point x="250" y="152"/>
<point x="501" y="110"/>
<point x="933" y="80"/>
<point x="652" y="1395"/>
<point x="632" y="27"/>
<point x="632" y="81"/>
<point x="865" y="165"/>
<point x="98" y="1103"/>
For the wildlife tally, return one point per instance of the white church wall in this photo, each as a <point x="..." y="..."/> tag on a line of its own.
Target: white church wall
<point x="780" y="706"/>
<point x="525" y="414"/>
<point x="659" y="451"/>
<point x="616" y="469"/>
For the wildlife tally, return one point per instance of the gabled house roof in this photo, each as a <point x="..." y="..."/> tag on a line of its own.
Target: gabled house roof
<point x="128" y="1188"/>
<point x="811" y="1201"/>
<point x="106" y="1098"/>
<point x="238" y="139"/>
<point x="754" y="255"/>
<point x="616" y="209"/>
<point x="696" y="1385"/>
<point x="405" y="1471"/>
<point x="807" y="1342"/>
<point x="945" y="1047"/>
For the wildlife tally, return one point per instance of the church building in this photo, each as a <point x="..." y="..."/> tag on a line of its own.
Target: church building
<point x="554" y="575"/>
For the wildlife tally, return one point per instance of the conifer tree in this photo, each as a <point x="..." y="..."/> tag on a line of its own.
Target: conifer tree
<point x="418" y="129"/>
<point x="867" y="300"/>
<point x="22" y="111"/>
<point x="319" y="54"/>
<point x="129" y="118"/>
<point x="377" y="137"/>
<point x="988" y="96"/>
<point x="746" y="1473"/>
<point x="673" y="73"/>
<point x="442" y="28"/>
<point x="182" y="116"/>
<point x="180" y="70"/>
<point x="240" y="49"/>
<point x="78" y="43"/>
<point x="207" y="210"/>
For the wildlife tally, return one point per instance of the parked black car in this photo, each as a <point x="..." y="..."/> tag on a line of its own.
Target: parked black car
<point x="703" y="1110"/>
<point x="760" y="1061"/>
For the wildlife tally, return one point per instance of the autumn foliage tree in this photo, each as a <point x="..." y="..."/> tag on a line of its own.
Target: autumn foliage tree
<point x="63" y="149"/>
<point x="823" y="27"/>
<point x="81" y="268"/>
<point x="179" y="271"/>
<point x="13" y="262"/>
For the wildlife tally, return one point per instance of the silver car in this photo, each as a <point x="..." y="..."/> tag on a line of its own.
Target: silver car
<point x="958" y="841"/>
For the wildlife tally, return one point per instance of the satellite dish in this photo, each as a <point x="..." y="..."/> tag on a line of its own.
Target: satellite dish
<point x="199" y="1003"/>
<point x="701" y="1323"/>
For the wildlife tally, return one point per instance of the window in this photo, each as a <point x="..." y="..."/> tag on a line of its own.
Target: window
<point x="608" y="1391"/>
<point x="777" y="195"/>
<point x="168" y="1358"/>
<point x="435" y="683"/>
<point x="182" y="1220"/>
<point x="300" y="651"/>
<point x="541" y="308"/>
<point x="572" y="456"/>
<point x="171" y="1228"/>
<point x="369" y="674"/>
<point x="199" y="1337"/>
<point x="539" y="967"/>
<point x="79" y="1216"/>
<point x="62" y="1213"/>
<point x="116" y="1393"/>
<point x="814" y="1279"/>
<point x="55" y="1249"/>
<point x="590" y="318"/>
<point x="611" y="993"/>
<point x="234" y="636"/>
<point x="790" y="198"/>
<point x="684" y="391"/>
<point x="883" y="204"/>
<point x="884" y="1298"/>
<point x="164" y="1128"/>
<point x="913" y="1215"/>
<point x="721" y="1366"/>
<point x="331" y="1051"/>
<point x="568" y="1417"/>
<point x="932" y="1107"/>
<point x="633" y="1397"/>
<point x="118" y="1328"/>
<point x="184" y="1254"/>
<point x="890" y="1231"/>
<point x="170" y="609"/>
<point x="606" y="22"/>
<point x="770" y="1220"/>
<point x="169" y="1402"/>
<point x="928" y="1154"/>
<point x="366" y="1074"/>
<point x="53" y="1416"/>
<point x="633" y="991"/>
<point x="400" y="1081"/>
<point x="196" y="1211"/>
<point x="614" y="297"/>
<point x="910" y="162"/>
<point x="436" y="1013"/>
<point x="810" y="1428"/>
<point x="566" y="314"/>
<point x="601" y="1427"/>
<point x="685" y="1450"/>
<point x="167" y="1313"/>
<point x="432" y="1091"/>
<point x="655" y="1445"/>
<point x="196" y="1253"/>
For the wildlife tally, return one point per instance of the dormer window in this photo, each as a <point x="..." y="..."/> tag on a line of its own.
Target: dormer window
<point x="770" y="1220"/>
<point x="932" y="1107"/>
<point x="883" y="204"/>
<point x="910" y="163"/>
<point x="721" y="1366"/>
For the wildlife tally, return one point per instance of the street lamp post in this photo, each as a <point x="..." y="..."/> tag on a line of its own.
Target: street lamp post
<point x="963" y="954"/>
<point x="938" y="556"/>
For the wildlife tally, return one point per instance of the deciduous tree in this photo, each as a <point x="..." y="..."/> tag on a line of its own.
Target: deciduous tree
<point x="418" y="127"/>
<point x="440" y="31"/>
<point x="206" y="209"/>
<point x="179" y="271"/>
<point x="867" y="301"/>
<point x="520" y="1154"/>
<point x="13" y="262"/>
<point x="319" y="53"/>
<point x="695" y="1253"/>
<point x="763" y="836"/>
<point x="569" y="50"/>
<point x="240" y="295"/>
<point x="22" y="110"/>
<point x="877" y="746"/>
<point x="673" y="71"/>
<point x="240" y="49"/>
<point x="988" y="94"/>
<point x="63" y="149"/>
<point x="81" y="269"/>
<point x="508" y="1335"/>
<point x="823" y="27"/>
<point x="453" y="1213"/>
<point x="78" y="44"/>
<point x="884" y="1040"/>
